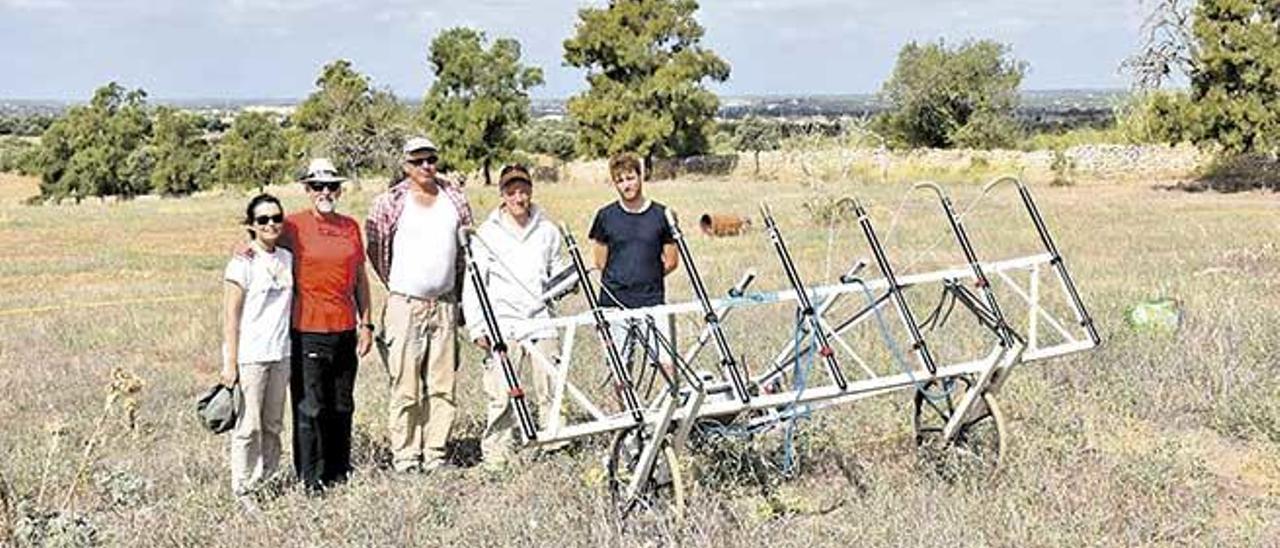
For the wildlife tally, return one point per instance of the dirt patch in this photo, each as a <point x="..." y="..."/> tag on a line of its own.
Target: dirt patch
<point x="16" y="188"/>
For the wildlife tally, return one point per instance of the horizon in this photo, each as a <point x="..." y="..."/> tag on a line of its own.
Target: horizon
<point x="781" y="95"/>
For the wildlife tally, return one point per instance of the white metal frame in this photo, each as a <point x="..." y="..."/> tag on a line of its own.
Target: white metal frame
<point x="662" y="412"/>
<point x="671" y="413"/>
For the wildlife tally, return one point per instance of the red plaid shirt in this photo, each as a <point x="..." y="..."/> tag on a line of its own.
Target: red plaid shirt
<point x="384" y="217"/>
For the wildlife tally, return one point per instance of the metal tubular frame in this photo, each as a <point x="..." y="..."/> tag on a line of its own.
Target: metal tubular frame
<point x="669" y="417"/>
<point x="966" y="246"/>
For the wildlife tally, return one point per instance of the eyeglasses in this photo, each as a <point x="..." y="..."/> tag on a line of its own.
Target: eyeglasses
<point x="264" y="219"/>
<point x="419" y="162"/>
<point x="317" y="186"/>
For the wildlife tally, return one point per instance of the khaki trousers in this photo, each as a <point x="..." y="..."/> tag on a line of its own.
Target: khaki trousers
<point x="255" y="440"/>
<point x="503" y="428"/>
<point x="422" y="361"/>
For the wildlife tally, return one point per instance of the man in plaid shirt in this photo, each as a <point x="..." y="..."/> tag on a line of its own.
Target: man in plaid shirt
<point x="412" y="233"/>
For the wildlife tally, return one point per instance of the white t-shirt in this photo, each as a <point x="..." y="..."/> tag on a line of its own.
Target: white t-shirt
<point x="424" y="250"/>
<point x="267" y="280"/>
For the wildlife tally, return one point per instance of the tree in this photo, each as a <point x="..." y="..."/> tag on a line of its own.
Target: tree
<point x="357" y="126"/>
<point x="755" y="134"/>
<point x="177" y="151"/>
<point x="1235" y="75"/>
<point x="253" y="154"/>
<point x="479" y="100"/>
<point x="942" y="97"/>
<point x="1167" y="45"/>
<point x="646" y="67"/>
<point x="1230" y="52"/>
<point x="91" y="151"/>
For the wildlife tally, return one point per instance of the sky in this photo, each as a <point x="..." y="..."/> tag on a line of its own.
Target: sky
<point x="235" y="49"/>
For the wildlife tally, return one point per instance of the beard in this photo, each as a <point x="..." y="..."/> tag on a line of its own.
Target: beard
<point x="325" y="206"/>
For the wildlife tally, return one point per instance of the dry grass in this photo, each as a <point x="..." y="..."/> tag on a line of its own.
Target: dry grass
<point x="1152" y="440"/>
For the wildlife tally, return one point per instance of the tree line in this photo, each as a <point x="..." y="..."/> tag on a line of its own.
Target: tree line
<point x="647" y="72"/>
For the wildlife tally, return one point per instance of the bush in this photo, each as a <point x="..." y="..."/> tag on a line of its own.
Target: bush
<point x="1165" y="117"/>
<point x="19" y="156"/>
<point x="116" y="146"/>
<point x="942" y="97"/>
<point x="549" y="136"/>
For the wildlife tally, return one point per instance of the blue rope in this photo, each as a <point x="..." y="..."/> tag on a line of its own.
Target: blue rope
<point x="898" y="356"/>
<point x="802" y="364"/>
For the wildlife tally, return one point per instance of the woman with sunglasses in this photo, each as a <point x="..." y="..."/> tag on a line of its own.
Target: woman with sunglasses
<point x="258" y="297"/>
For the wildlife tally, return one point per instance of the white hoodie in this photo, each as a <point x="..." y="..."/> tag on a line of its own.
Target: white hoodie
<point x="529" y="255"/>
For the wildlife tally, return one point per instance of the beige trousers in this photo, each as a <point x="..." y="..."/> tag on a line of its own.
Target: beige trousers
<point x="422" y="361"/>
<point x="255" y="440"/>
<point x="503" y="427"/>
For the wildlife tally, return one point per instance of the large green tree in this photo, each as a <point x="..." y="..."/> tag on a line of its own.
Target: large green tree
<point x="942" y="96"/>
<point x="647" y="67"/>
<point x="350" y="121"/>
<point x="1235" y="75"/>
<point x="94" y="149"/>
<point x="479" y="99"/>
<point x="177" y="151"/>
<point x="254" y="153"/>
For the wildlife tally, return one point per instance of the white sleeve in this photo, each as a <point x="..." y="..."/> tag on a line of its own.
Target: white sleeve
<point x="238" y="271"/>
<point x="557" y="258"/>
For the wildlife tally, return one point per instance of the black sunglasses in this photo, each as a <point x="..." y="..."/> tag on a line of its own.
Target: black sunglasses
<point x="317" y="186"/>
<point x="264" y="219"/>
<point x="429" y="160"/>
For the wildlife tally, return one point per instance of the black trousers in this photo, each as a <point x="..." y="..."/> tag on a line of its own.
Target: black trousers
<point x="322" y="386"/>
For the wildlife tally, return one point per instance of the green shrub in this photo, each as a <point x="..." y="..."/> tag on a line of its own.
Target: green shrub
<point x="943" y="97"/>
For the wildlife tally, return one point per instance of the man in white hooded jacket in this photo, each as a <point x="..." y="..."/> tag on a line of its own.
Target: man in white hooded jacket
<point x="518" y="255"/>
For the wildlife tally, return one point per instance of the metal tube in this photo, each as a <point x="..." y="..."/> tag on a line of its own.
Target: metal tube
<point x="1082" y="314"/>
<point x="1002" y="329"/>
<point x="917" y="340"/>
<point x="497" y="343"/>
<point x="727" y="361"/>
<point x="802" y="297"/>
<point x="620" y="375"/>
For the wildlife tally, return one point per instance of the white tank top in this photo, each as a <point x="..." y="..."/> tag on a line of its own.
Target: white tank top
<point x="425" y="248"/>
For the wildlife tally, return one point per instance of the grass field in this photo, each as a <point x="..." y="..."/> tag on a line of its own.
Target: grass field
<point x="1153" y="439"/>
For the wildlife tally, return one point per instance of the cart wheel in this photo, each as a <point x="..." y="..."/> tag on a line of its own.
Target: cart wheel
<point x="978" y="443"/>
<point x="662" y="492"/>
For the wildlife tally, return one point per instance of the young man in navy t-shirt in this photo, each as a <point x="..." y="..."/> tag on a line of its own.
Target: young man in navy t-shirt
<point x="633" y="246"/>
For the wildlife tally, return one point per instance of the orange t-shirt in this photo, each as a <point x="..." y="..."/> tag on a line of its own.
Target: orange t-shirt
<point x="327" y="254"/>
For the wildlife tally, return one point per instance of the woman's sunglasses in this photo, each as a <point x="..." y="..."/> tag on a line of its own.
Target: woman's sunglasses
<point x="262" y="220"/>
<point x="317" y="186"/>
<point x="429" y="160"/>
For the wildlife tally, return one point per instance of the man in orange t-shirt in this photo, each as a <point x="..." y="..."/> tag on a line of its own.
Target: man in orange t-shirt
<point x="331" y="329"/>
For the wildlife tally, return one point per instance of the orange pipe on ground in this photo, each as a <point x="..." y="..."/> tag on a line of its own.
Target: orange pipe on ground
<point x="720" y="224"/>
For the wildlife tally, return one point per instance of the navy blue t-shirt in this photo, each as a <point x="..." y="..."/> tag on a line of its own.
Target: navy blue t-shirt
<point x="633" y="268"/>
